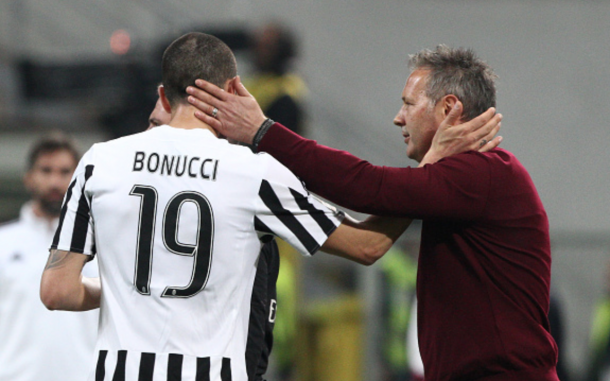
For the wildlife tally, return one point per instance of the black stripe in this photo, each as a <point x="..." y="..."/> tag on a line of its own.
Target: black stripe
<point x="318" y="215"/>
<point x="62" y="215"/>
<point x="225" y="371"/>
<point x="81" y="220"/>
<point x="174" y="367"/>
<point x="119" y="371"/>
<point x="100" y="368"/>
<point x="261" y="227"/>
<point x="267" y="194"/>
<point x="203" y="369"/>
<point x="147" y="367"/>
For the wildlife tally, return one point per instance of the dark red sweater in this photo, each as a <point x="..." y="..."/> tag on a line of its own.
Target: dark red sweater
<point x="485" y="258"/>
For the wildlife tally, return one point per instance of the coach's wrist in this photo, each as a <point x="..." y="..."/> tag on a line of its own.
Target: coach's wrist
<point x="260" y="133"/>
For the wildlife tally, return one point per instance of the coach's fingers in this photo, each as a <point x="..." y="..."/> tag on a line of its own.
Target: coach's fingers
<point x="209" y="120"/>
<point x="204" y="113"/>
<point x="487" y="132"/>
<point x="200" y="105"/>
<point x="241" y="89"/>
<point x="490" y="141"/>
<point x="212" y="89"/>
<point x="496" y="124"/>
<point x="201" y="98"/>
<point x="483" y="124"/>
<point x="492" y="125"/>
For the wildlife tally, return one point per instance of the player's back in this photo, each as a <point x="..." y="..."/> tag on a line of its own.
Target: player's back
<point x="173" y="213"/>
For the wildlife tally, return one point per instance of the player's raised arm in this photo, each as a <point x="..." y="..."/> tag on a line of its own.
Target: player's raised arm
<point x="365" y="241"/>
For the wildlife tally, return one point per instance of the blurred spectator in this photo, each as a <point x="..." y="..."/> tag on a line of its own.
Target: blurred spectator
<point x="278" y="91"/>
<point x="35" y="343"/>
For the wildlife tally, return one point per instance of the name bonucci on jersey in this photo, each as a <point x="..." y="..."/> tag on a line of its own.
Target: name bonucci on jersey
<point x="176" y="218"/>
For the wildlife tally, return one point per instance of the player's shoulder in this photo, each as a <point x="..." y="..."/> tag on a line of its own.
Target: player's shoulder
<point x="268" y="159"/>
<point x="270" y="162"/>
<point x="277" y="173"/>
<point x="123" y="140"/>
<point x="125" y="144"/>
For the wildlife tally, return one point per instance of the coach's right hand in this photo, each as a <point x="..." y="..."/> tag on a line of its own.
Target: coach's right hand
<point x="238" y="116"/>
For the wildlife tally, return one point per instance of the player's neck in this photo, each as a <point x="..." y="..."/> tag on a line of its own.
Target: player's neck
<point x="183" y="116"/>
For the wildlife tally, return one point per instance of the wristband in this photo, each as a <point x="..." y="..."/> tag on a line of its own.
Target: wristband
<point x="262" y="130"/>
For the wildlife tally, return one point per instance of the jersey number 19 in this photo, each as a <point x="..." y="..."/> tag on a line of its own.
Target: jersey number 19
<point x="201" y="252"/>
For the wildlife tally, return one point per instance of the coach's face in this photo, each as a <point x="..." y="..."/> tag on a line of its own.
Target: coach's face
<point x="418" y="117"/>
<point x="49" y="178"/>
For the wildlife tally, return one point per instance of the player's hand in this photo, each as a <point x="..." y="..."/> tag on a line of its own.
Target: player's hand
<point x="474" y="135"/>
<point x="238" y="116"/>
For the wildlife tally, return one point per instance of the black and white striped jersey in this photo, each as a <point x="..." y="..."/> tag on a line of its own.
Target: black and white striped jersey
<point x="175" y="217"/>
<point x="263" y="307"/>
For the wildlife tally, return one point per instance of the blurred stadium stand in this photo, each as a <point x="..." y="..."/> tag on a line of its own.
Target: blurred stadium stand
<point x="93" y="99"/>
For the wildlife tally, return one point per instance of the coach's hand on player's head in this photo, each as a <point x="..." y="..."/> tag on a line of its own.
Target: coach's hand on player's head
<point x="238" y="116"/>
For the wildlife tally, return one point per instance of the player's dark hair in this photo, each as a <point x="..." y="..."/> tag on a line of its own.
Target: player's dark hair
<point x="193" y="56"/>
<point x="459" y="72"/>
<point x="53" y="142"/>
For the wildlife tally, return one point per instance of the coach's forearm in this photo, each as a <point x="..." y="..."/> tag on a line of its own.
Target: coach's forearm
<point x="333" y="174"/>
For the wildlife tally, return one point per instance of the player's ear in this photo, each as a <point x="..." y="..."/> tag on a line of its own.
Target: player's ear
<point x="231" y="86"/>
<point x="164" y="101"/>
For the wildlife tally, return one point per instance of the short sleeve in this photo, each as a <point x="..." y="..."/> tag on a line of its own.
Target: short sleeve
<point x="287" y="210"/>
<point x="75" y="229"/>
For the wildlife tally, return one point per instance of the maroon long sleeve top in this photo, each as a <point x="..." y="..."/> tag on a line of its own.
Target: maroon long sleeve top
<point x="485" y="260"/>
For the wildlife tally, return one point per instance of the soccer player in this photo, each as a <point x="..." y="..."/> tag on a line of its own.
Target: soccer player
<point x="158" y="116"/>
<point x="263" y="304"/>
<point x="176" y="217"/>
<point x="484" y="268"/>
<point x="36" y="344"/>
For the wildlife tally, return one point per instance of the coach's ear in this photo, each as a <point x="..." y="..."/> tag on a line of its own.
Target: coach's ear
<point x="164" y="101"/>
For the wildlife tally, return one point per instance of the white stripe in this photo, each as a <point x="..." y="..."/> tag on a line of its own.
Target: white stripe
<point x="215" y="367"/>
<point x="289" y="203"/>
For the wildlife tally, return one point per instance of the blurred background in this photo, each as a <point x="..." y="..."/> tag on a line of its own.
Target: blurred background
<point x="91" y="68"/>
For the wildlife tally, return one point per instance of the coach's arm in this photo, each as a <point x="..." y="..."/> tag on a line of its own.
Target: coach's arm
<point x="63" y="286"/>
<point x="365" y="241"/>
